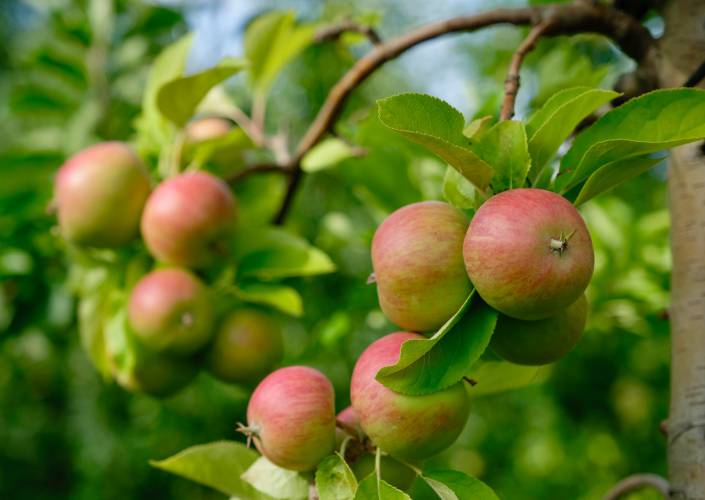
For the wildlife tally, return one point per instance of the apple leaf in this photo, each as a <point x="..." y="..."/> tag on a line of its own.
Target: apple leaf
<point x="430" y="365"/>
<point x="438" y="126"/>
<point x="372" y="488"/>
<point x="553" y="123"/>
<point x="177" y="99"/>
<point x="274" y="481"/>
<point x="217" y="465"/>
<point x="335" y="480"/>
<point x="458" y="191"/>
<point x="493" y="377"/>
<point x="504" y="146"/>
<point x="326" y="154"/>
<point x="652" y="122"/>
<point x="454" y="485"/>
<point x="281" y="297"/>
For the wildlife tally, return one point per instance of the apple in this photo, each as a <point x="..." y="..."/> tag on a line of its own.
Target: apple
<point x="528" y="253"/>
<point x="99" y="195"/>
<point x="417" y="257"/>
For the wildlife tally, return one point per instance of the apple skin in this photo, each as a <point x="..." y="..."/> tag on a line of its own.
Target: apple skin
<point x="170" y="310"/>
<point x="99" y="194"/>
<point x="188" y="218"/>
<point x="418" y="265"/>
<point x="410" y="428"/>
<point x="291" y="416"/>
<point x="246" y="347"/>
<point x="509" y="258"/>
<point x="542" y="341"/>
<point x="204" y="129"/>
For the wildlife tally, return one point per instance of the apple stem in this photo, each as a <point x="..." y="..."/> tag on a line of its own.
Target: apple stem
<point x="248" y="430"/>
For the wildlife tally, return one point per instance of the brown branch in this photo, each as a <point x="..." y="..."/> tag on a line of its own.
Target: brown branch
<point x="638" y="482"/>
<point x="256" y="169"/>
<point x="334" y="31"/>
<point x="511" y="83"/>
<point x="577" y="17"/>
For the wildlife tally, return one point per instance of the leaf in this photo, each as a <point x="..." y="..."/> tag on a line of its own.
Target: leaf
<point x="553" y="123"/>
<point x="438" y="126"/>
<point x="275" y="481"/>
<point x="335" y="480"/>
<point x="613" y="174"/>
<point x="454" y="485"/>
<point x="270" y="253"/>
<point x="504" y="147"/>
<point x="652" y="122"/>
<point x="430" y="365"/>
<point x="372" y="489"/>
<point x="326" y="154"/>
<point x="281" y="297"/>
<point x="218" y="465"/>
<point x="178" y="99"/>
<point x="493" y="377"/>
<point x="457" y="190"/>
<point x="91" y="331"/>
<point x="271" y="42"/>
<point x="478" y="127"/>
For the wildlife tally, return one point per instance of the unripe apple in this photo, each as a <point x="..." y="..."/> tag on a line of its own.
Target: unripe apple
<point x="528" y="253"/>
<point x="542" y="341"/>
<point x="170" y="310"/>
<point x="187" y="219"/>
<point x="291" y="417"/>
<point x="204" y="129"/>
<point x="409" y="428"/>
<point x="246" y="347"/>
<point x="99" y="195"/>
<point x="417" y="256"/>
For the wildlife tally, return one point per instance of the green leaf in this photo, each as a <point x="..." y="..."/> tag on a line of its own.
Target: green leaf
<point x="218" y="465"/>
<point x="613" y="174"/>
<point x="270" y="253"/>
<point x="553" y="123"/>
<point x="477" y="128"/>
<point x="493" y="377"/>
<point x="372" y="489"/>
<point x="177" y="99"/>
<point x="504" y="147"/>
<point x="271" y="42"/>
<point x="281" y="297"/>
<point x="430" y="365"/>
<point x="652" y="122"/>
<point x="91" y="331"/>
<point x="227" y="150"/>
<point x="275" y="481"/>
<point x="335" y="480"/>
<point x="326" y="154"/>
<point x="457" y="190"/>
<point x="438" y="126"/>
<point x="454" y="485"/>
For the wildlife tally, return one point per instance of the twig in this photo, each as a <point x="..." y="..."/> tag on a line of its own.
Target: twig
<point x="696" y="77"/>
<point x="334" y="31"/>
<point x="256" y="169"/>
<point x="511" y="83"/>
<point x="578" y="17"/>
<point x="637" y="482"/>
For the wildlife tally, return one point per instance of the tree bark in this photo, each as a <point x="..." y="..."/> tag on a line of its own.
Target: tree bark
<point x="679" y="52"/>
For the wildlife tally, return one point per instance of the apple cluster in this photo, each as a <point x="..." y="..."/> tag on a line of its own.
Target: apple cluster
<point x="104" y="199"/>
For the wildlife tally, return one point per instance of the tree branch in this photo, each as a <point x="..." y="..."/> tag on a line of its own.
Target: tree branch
<point x="637" y="482"/>
<point x="511" y="83"/>
<point x="577" y="17"/>
<point x="334" y="31"/>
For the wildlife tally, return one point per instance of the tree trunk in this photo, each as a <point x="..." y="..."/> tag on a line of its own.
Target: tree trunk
<point x="679" y="52"/>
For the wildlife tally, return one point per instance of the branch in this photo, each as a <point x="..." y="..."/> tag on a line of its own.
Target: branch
<point x="696" y="77"/>
<point x="637" y="482"/>
<point x="334" y="31"/>
<point x="577" y="17"/>
<point x="511" y="83"/>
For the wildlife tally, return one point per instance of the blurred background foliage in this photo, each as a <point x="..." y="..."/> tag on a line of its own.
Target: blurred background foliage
<point x="72" y="73"/>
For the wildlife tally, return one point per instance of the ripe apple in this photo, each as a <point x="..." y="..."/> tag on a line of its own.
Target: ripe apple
<point x="291" y="417"/>
<point x="99" y="195"/>
<point x="171" y="310"/>
<point x="246" y="347"/>
<point x="409" y="428"/>
<point x="417" y="256"/>
<point x="528" y="253"/>
<point x="541" y="341"/>
<point x="187" y="219"/>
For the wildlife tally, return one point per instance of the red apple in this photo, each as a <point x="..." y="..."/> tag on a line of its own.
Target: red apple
<point x="246" y="347"/>
<point x="187" y="219"/>
<point x="291" y="417"/>
<point x="528" y="253"/>
<point x="417" y="256"/>
<point x="171" y="310"/>
<point x="409" y="428"/>
<point x="100" y="193"/>
<point x="542" y="341"/>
